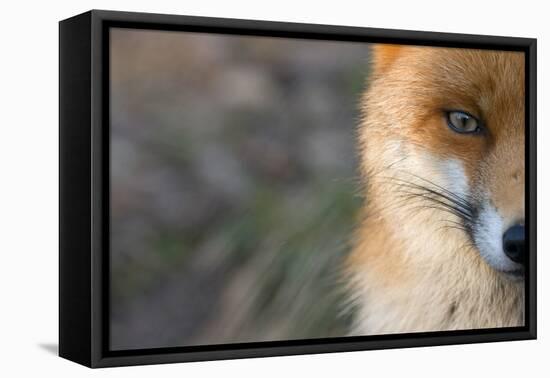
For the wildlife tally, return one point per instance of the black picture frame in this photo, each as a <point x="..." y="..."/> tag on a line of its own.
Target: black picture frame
<point x="84" y="188"/>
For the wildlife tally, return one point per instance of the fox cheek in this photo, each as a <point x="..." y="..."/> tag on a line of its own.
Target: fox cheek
<point x="504" y="171"/>
<point x="457" y="178"/>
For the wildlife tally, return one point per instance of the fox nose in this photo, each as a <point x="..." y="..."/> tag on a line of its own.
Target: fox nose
<point x="513" y="242"/>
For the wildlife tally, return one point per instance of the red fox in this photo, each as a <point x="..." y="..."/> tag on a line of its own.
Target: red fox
<point x="440" y="245"/>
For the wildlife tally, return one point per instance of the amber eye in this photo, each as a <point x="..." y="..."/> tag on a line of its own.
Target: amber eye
<point x="462" y="122"/>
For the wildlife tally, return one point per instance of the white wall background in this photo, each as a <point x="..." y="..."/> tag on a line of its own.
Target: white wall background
<point x="29" y="186"/>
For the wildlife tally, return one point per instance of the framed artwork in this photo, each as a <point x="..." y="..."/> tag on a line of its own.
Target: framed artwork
<point x="233" y="188"/>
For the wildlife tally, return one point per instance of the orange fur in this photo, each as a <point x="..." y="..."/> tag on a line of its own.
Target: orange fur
<point x="384" y="56"/>
<point x="407" y="272"/>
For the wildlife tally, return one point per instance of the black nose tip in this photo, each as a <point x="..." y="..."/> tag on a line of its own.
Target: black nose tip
<point x="513" y="242"/>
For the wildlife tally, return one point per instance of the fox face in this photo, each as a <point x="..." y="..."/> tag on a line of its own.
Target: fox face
<point x="443" y="146"/>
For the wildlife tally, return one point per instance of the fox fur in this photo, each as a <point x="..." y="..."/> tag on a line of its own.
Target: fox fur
<point x="414" y="266"/>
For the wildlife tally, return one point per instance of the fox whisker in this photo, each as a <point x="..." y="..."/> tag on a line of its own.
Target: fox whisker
<point x="430" y="195"/>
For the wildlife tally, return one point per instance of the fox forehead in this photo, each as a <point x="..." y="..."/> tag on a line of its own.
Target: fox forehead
<point x="414" y="86"/>
<point x="488" y="84"/>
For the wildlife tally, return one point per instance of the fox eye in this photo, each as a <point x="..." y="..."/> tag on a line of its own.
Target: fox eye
<point x="462" y="122"/>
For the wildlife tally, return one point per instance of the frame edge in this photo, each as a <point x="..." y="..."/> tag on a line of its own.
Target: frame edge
<point x="75" y="272"/>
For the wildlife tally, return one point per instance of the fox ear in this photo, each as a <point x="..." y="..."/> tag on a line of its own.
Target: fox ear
<point x="384" y="55"/>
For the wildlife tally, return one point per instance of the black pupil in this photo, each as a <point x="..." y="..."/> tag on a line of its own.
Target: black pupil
<point x="463" y="121"/>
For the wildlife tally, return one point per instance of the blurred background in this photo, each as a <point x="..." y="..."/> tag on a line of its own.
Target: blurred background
<point x="233" y="186"/>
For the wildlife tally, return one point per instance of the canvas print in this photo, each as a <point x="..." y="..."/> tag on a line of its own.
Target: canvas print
<point x="267" y="189"/>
